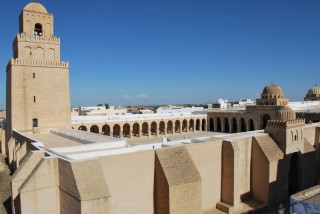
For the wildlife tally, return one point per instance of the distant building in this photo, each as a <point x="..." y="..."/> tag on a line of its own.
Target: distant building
<point x="2" y="117"/>
<point x="221" y="103"/>
<point x="177" y="109"/>
<point x="74" y="111"/>
<point x="225" y="104"/>
<point x="313" y="94"/>
<point x="102" y="110"/>
<point x="246" y="102"/>
<point x="134" y="109"/>
<point x="304" y="105"/>
<point x="146" y="111"/>
<point x="2" y="114"/>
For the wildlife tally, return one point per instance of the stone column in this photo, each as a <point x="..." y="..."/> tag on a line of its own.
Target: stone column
<point x="215" y="125"/>
<point x="238" y="126"/>
<point x="222" y="125"/>
<point x="164" y="129"/>
<point x="231" y="127"/>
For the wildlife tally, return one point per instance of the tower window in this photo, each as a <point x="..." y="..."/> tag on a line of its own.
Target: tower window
<point x="34" y="75"/>
<point x="38" y="30"/>
<point x="34" y="99"/>
<point x="34" y="122"/>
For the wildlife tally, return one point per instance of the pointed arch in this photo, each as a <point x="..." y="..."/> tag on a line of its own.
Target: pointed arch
<point x="191" y="125"/>
<point x="184" y="125"/>
<point x="94" y="129"/>
<point x="251" y="125"/>
<point x="219" y="125"/>
<point x="82" y="128"/>
<point x="145" y="128"/>
<point x="177" y="126"/>
<point x="106" y="130"/>
<point x="51" y="56"/>
<point x="170" y="127"/>
<point x="154" y="128"/>
<point x="211" y="124"/>
<point x="243" y="125"/>
<point x="39" y="54"/>
<point x="162" y="127"/>
<point x="234" y="125"/>
<point x="204" y="125"/>
<point x="126" y="130"/>
<point x="136" y="130"/>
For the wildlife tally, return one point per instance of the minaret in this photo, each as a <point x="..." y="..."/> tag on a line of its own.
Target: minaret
<point x="38" y="94"/>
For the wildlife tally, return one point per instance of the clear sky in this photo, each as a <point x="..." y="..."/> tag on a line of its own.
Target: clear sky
<point x="178" y="51"/>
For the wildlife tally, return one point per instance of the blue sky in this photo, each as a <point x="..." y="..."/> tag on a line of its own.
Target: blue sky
<point x="178" y="51"/>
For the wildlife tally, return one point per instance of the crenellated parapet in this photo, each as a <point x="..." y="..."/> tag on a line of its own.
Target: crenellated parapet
<point x="37" y="63"/>
<point x="262" y="108"/>
<point x="22" y="37"/>
<point x="289" y="123"/>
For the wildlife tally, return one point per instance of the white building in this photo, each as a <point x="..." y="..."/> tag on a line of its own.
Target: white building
<point x="177" y="109"/>
<point x="102" y="111"/>
<point x="244" y="102"/>
<point x="304" y="105"/>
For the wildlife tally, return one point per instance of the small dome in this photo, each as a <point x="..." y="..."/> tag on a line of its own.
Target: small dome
<point x="314" y="91"/>
<point x="286" y="114"/>
<point x="272" y="89"/>
<point x="35" y="7"/>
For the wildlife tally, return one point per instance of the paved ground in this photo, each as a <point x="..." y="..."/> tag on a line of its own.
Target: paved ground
<point x="5" y="189"/>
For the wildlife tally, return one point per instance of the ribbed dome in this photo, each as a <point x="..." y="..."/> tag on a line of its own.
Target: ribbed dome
<point x="272" y="89"/>
<point x="314" y="91"/>
<point x="35" y="7"/>
<point x="286" y="114"/>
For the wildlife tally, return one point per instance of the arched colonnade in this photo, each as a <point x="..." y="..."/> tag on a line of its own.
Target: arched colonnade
<point x="230" y="124"/>
<point x="155" y="128"/>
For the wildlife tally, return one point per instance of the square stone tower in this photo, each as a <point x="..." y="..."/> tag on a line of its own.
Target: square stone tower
<point x="38" y="94"/>
<point x="287" y="131"/>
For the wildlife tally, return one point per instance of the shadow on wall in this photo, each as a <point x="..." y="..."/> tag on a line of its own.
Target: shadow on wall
<point x="273" y="176"/>
<point x="296" y="172"/>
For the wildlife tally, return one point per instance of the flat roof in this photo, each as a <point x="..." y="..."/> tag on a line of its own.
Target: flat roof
<point x="75" y="145"/>
<point x="132" y="117"/>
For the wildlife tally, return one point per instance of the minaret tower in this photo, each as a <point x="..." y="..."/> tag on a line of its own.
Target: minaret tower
<point x="38" y="94"/>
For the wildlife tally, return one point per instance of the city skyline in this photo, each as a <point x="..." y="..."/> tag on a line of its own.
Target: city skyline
<point x="125" y="53"/>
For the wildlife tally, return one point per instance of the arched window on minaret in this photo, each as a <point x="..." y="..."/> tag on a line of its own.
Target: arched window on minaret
<point x="38" y="30"/>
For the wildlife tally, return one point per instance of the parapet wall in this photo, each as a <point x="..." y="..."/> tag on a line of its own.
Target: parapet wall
<point x="286" y="123"/>
<point x="31" y="38"/>
<point x="263" y="108"/>
<point x="37" y="63"/>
